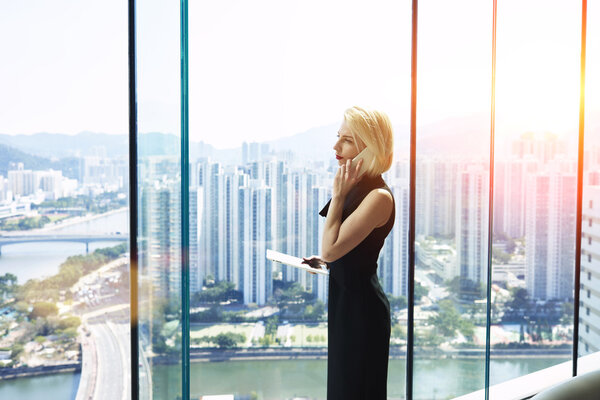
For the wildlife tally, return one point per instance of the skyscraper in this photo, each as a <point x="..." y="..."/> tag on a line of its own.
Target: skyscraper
<point x="258" y="278"/>
<point x="436" y="197"/>
<point x="393" y="259"/>
<point x="550" y="235"/>
<point x="516" y="173"/>
<point x="472" y="223"/>
<point x="320" y="195"/>
<point x="589" y="291"/>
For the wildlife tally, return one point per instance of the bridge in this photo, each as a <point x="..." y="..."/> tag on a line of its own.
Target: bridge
<point x="87" y="239"/>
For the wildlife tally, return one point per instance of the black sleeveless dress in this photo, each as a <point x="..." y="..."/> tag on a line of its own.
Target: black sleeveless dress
<point x="359" y="312"/>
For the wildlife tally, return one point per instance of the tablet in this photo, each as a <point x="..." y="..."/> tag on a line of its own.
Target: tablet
<point x="294" y="262"/>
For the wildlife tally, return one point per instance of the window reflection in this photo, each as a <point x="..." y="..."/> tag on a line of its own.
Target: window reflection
<point x="452" y="192"/>
<point x="536" y="182"/>
<point x="589" y="292"/>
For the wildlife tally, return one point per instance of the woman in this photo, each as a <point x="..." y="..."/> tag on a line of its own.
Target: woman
<point x="359" y="216"/>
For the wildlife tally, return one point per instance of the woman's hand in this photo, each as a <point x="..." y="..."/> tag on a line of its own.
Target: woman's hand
<point x="314" y="262"/>
<point x="345" y="178"/>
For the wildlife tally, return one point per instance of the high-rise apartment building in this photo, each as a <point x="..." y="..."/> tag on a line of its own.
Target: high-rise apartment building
<point x="227" y="203"/>
<point x="589" y="290"/>
<point x="299" y="222"/>
<point x="436" y="197"/>
<point x="258" y="276"/>
<point x="320" y="195"/>
<point x="514" y="188"/>
<point x="393" y="259"/>
<point x="472" y="223"/>
<point x="160" y="260"/>
<point x="21" y="181"/>
<point x="195" y="208"/>
<point x="550" y="235"/>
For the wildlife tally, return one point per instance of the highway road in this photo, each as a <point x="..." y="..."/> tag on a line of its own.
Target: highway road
<point x="112" y="377"/>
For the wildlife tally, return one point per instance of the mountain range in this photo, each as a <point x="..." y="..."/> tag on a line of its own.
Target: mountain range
<point x="465" y="136"/>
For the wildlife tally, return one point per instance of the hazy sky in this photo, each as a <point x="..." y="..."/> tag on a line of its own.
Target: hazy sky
<point x="270" y="68"/>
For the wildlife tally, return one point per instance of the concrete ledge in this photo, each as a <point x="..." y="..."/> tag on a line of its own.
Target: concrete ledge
<point x="21" y="372"/>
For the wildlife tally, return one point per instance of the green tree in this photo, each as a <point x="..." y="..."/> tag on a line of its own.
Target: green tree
<point x="271" y="325"/>
<point x="399" y="302"/>
<point x="43" y="309"/>
<point x="217" y="292"/>
<point x="398" y="332"/>
<point x="16" y="352"/>
<point x="314" y="312"/>
<point x="8" y="283"/>
<point x="420" y="292"/>
<point x="214" y="314"/>
<point x="44" y="326"/>
<point x="500" y="256"/>
<point x="448" y="320"/>
<point x="465" y="288"/>
<point x="226" y="340"/>
<point x="266" y="340"/>
<point x="428" y="338"/>
<point x="566" y="313"/>
<point x="69" y="322"/>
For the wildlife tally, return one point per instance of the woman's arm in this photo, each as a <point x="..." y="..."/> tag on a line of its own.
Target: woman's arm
<point x="339" y="238"/>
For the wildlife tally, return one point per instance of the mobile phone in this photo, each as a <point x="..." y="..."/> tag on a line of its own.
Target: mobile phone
<point x="367" y="156"/>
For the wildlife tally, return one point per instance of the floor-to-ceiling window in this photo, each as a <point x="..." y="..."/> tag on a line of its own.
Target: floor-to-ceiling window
<point x="589" y="289"/>
<point x="533" y="255"/>
<point x="452" y="185"/>
<point x="268" y="83"/>
<point x="159" y="200"/>
<point x="64" y="273"/>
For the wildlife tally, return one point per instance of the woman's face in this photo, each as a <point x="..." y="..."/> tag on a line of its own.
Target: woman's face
<point x="345" y="147"/>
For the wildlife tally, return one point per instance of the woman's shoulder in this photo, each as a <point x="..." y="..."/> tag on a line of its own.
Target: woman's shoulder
<point x="379" y="204"/>
<point x="380" y="196"/>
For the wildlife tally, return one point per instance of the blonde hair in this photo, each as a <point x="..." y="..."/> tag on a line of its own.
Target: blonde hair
<point x="373" y="130"/>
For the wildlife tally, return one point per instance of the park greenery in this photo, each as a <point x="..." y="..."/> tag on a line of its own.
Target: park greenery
<point x="225" y="340"/>
<point x="217" y="293"/>
<point x="34" y="303"/>
<point x="295" y="303"/>
<point x="69" y="273"/>
<point x="216" y="314"/>
<point x="8" y="285"/>
<point x="23" y="223"/>
<point x="449" y="321"/>
<point x="99" y="203"/>
<point x="465" y="289"/>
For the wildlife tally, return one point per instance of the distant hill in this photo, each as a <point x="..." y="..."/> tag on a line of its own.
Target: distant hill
<point x="56" y="145"/>
<point x="68" y="165"/>
<point x="460" y="136"/>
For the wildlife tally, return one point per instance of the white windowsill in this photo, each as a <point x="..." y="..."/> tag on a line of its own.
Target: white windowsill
<point x="529" y="385"/>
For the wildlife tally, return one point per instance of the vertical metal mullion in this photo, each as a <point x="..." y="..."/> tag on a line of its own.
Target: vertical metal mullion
<point x="133" y="205"/>
<point x="578" y="222"/>
<point x="488" y="318"/>
<point x="185" y="214"/>
<point x="411" y="207"/>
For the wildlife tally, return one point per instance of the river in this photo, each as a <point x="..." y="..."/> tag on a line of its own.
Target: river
<point x="434" y="379"/>
<point x="42" y="259"/>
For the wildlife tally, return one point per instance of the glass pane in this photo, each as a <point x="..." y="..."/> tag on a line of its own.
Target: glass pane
<point x="452" y="191"/>
<point x="537" y="100"/>
<point x="159" y="196"/>
<point x="589" y="292"/>
<point x="269" y="82"/>
<point x="64" y="269"/>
